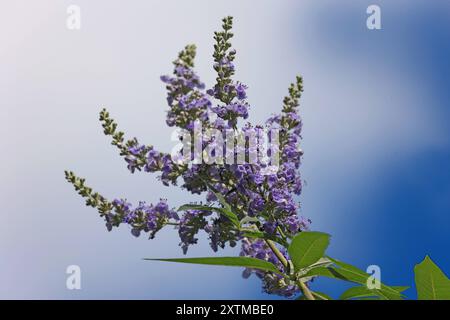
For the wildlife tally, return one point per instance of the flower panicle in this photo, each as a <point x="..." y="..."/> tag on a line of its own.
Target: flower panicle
<point x="291" y="101"/>
<point x="148" y="218"/>
<point x="223" y="60"/>
<point x="141" y="157"/>
<point x="186" y="56"/>
<point x="93" y="199"/>
<point x="264" y="202"/>
<point x="232" y="94"/>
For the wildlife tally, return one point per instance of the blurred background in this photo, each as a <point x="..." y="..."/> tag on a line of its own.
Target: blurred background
<point x="376" y="135"/>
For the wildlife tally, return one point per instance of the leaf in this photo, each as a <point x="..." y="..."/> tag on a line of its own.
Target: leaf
<point x="248" y="219"/>
<point x="369" y="294"/>
<point x="308" y="247"/>
<point x="358" y="292"/>
<point x="328" y="272"/>
<point x="185" y="207"/>
<point x="321" y="295"/>
<point x="231" y="216"/>
<point x="431" y="282"/>
<point x="256" y="234"/>
<point x="246" y="262"/>
<point x="400" y="288"/>
<point x="227" y="209"/>
<point x="253" y="234"/>
<point x="219" y="196"/>
<point x="347" y="272"/>
<point x="354" y="274"/>
<point x="350" y="272"/>
<point x="321" y="263"/>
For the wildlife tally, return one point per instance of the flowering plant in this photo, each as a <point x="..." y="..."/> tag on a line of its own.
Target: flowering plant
<point x="248" y="203"/>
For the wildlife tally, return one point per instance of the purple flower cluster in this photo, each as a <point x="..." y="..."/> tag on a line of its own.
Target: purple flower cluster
<point x="184" y="95"/>
<point x="251" y="193"/>
<point x="191" y="222"/>
<point x="144" y="217"/>
<point x="272" y="283"/>
<point x="234" y="109"/>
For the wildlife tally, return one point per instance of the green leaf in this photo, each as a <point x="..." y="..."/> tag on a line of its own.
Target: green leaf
<point x="400" y="288"/>
<point x="354" y="274"/>
<point x="253" y="234"/>
<point x="256" y="234"/>
<point x="248" y="219"/>
<point x="219" y="197"/>
<point x="321" y="263"/>
<point x="358" y="292"/>
<point x="431" y="282"/>
<point x="227" y="209"/>
<point x="347" y="272"/>
<point x="350" y="272"/>
<point x="246" y="262"/>
<point x="328" y="272"/>
<point x="364" y="293"/>
<point x="185" y="207"/>
<point x="308" y="247"/>
<point x="321" y="295"/>
<point x="230" y="215"/>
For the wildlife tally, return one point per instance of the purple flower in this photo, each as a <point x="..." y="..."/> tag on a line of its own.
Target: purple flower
<point x="240" y="91"/>
<point x="280" y="196"/>
<point x="191" y="222"/>
<point x="135" y="232"/>
<point x="136" y="150"/>
<point x="272" y="283"/>
<point x="270" y="227"/>
<point x="257" y="178"/>
<point x="153" y="159"/>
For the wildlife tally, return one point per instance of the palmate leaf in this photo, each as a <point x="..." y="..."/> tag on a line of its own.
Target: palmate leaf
<point x="246" y="262"/>
<point x="229" y="214"/>
<point x="308" y="247"/>
<point x="431" y="282"/>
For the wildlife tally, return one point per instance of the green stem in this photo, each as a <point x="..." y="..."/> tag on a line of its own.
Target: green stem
<point x="281" y="233"/>
<point x="305" y="290"/>
<point x="277" y="252"/>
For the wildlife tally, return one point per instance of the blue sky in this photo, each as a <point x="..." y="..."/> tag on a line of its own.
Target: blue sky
<point x="399" y="212"/>
<point x="375" y="111"/>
